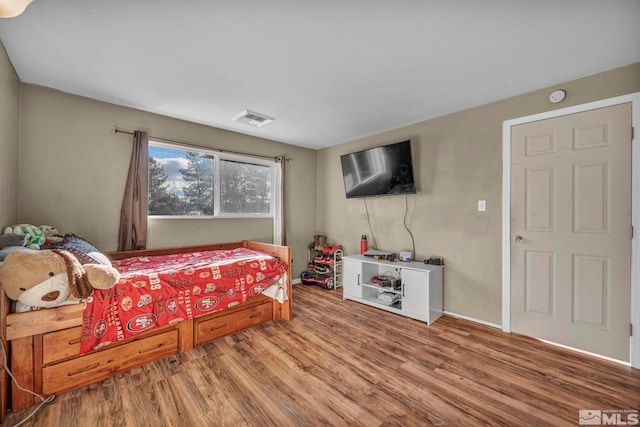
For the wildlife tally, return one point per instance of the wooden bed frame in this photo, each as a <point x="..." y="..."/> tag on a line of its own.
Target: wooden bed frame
<point x="44" y="345"/>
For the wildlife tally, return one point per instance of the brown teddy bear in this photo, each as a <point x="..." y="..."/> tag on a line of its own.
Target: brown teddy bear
<point x="322" y="242"/>
<point x="51" y="277"/>
<point x="319" y="242"/>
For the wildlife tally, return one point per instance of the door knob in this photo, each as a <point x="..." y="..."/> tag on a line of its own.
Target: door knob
<point x="517" y="239"/>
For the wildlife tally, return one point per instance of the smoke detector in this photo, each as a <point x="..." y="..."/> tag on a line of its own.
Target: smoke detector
<point x="252" y="118"/>
<point x="557" y="96"/>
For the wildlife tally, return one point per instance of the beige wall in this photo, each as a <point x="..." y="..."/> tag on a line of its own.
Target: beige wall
<point x="73" y="171"/>
<point x="458" y="161"/>
<point x="9" y="103"/>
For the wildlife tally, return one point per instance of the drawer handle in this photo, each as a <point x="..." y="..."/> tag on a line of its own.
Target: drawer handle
<point x="254" y="315"/>
<point x="74" y="341"/>
<point x="224" y="325"/>
<point x="151" y="348"/>
<point x="85" y="369"/>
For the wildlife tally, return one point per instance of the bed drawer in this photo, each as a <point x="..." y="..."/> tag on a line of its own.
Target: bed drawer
<point x="210" y="329"/>
<point x="96" y="366"/>
<point x="61" y="345"/>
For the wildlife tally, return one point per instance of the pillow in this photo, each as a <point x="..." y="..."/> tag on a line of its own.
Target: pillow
<point x="83" y="250"/>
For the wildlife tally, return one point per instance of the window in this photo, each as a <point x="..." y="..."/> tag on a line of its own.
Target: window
<point x="194" y="182"/>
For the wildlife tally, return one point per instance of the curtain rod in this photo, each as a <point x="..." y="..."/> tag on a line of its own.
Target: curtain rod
<point x="190" y="144"/>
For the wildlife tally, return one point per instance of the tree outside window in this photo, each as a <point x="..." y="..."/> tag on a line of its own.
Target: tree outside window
<point x="184" y="183"/>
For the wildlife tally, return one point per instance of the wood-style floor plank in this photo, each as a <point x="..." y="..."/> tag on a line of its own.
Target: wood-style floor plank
<point x="343" y="363"/>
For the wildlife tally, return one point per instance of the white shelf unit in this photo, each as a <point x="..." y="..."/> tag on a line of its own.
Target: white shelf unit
<point x="329" y="266"/>
<point x="420" y="291"/>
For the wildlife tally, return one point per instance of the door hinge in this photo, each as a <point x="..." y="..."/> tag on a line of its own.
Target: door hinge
<point x="632" y="231"/>
<point x="630" y="329"/>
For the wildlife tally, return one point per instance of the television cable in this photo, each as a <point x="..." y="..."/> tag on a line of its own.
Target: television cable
<point x="406" y="210"/>
<point x="373" y="239"/>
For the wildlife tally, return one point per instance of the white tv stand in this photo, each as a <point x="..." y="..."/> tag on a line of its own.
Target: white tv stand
<point x="419" y="295"/>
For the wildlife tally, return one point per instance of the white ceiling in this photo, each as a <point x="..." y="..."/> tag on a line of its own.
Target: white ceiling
<point x="329" y="71"/>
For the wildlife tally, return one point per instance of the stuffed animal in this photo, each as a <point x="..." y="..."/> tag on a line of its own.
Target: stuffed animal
<point x="322" y="242"/>
<point x="319" y="242"/>
<point x="313" y="244"/>
<point x="48" y="278"/>
<point x="35" y="236"/>
<point x="52" y="235"/>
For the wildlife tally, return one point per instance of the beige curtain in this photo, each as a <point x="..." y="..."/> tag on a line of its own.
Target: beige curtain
<point x="135" y="204"/>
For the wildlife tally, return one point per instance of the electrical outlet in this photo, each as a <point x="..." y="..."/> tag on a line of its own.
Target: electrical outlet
<point x="482" y="205"/>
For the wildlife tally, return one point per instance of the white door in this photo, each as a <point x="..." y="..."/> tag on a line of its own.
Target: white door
<point x="571" y="230"/>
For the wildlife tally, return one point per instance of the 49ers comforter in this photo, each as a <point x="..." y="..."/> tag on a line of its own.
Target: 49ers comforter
<point x="157" y="290"/>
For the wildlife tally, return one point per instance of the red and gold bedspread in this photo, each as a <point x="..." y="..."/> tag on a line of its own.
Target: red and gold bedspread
<point x="157" y="290"/>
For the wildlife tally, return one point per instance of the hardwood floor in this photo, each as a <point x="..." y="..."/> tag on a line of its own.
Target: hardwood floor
<point x="342" y="363"/>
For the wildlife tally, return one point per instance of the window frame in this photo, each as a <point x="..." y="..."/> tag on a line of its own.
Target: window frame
<point x="217" y="156"/>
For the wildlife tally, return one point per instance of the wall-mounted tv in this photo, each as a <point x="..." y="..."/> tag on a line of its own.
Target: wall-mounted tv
<point x="379" y="171"/>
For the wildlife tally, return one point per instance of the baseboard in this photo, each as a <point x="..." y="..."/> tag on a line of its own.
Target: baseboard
<point x="471" y="319"/>
<point x="297" y="281"/>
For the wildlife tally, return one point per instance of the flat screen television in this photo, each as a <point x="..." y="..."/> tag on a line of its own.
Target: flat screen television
<point x="379" y="171"/>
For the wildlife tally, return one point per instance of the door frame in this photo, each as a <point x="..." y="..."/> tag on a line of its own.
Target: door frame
<point x="634" y="99"/>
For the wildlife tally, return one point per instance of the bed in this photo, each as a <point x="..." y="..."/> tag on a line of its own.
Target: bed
<point x="44" y="345"/>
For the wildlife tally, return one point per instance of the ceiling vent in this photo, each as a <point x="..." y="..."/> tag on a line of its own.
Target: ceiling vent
<point x="252" y="118"/>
